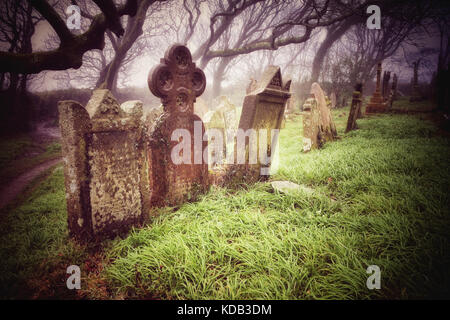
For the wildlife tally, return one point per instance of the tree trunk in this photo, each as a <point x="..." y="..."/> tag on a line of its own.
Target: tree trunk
<point x="333" y="34"/>
<point x="219" y="74"/>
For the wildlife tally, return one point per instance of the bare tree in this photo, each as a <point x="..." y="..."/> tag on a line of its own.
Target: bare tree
<point x="71" y="47"/>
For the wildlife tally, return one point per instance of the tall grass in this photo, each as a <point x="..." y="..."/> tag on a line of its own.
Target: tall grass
<point x="380" y="197"/>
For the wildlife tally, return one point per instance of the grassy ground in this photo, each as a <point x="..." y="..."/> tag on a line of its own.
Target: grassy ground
<point x="380" y="196"/>
<point x="21" y="152"/>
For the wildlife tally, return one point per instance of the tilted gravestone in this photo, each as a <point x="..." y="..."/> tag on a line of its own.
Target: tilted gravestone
<point x="355" y="108"/>
<point x="104" y="165"/>
<point x="327" y="127"/>
<point x="376" y="103"/>
<point x="178" y="168"/>
<point x="262" y="113"/>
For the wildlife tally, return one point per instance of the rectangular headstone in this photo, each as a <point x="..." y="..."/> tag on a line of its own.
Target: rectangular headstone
<point x="105" y="165"/>
<point x="263" y="109"/>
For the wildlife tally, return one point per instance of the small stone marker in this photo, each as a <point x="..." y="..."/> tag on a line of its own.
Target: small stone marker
<point x="104" y="165"/>
<point x="263" y="109"/>
<point x="376" y="103"/>
<point x="355" y="108"/>
<point x="178" y="169"/>
<point x="288" y="187"/>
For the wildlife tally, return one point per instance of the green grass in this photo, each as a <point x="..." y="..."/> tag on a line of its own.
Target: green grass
<point x="380" y="197"/>
<point x="35" y="249"/>
<point x="20" y="153"/>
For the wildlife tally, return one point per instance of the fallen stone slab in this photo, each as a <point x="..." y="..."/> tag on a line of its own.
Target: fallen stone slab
<point x="288" y="187"/>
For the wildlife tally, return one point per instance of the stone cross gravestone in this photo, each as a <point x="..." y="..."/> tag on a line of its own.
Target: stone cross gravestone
<point x="376" y="103"/>
<point x="354" y="109"/>
<point x="178" y="166"/>
<point x="104" y="165"/>
<point x="262" y="113"/>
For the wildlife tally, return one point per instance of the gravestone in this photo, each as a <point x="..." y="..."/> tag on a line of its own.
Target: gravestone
<point x="104" y="165"/>
<point x="327" y="127"/>
<point x="376" y="103"/>
<point x="251" y="86"/>
<point x="287" y="108"/>
<point x="311" y="125"/>
<point x="385" y="91"/>
<point x="178" y="168"/>
<point x="415" y="92"/>
<point x="355" y="108"/>
<point x="393" y="93"/>
<point x="200" y="107"/>
<point x="333" y="100"/>
<point x="263" y="111"/>
<point x="217" y="122"/>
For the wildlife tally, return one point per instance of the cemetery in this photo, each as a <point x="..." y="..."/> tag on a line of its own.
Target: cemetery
<point x="267" y="186"/>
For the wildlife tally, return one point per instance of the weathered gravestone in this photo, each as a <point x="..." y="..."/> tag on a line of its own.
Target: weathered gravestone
<point x="218" y="122"/>
<point x="355" y="108"/>
<point x="287" y="108"/>
<point x="178" y="167"/>
<point x="311" y="125"/>
<point x="200" y="107"/>
<point x="327" y="127"/>
<point x="393" y="93"/>
<point x="376" y="103"/>
<point x="261" y="119"/>
<point x="385" y="87"/>
<point x="104" y="165"/>
<point x="415" y="91"/>
<point x="251" y="86"/>
<point x="333" y="100"/>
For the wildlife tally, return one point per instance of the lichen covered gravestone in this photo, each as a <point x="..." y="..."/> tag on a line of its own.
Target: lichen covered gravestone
<point x="178" y="168"/>
<point x="104" y="165"/>
<point x="262" y="114"/>
<point x="311" y="125"/>
<point x="327" y="127"/>
<point x="219" y="122"/>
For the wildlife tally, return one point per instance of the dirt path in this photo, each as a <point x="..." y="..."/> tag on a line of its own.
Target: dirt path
<point x="15" y="187"/>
